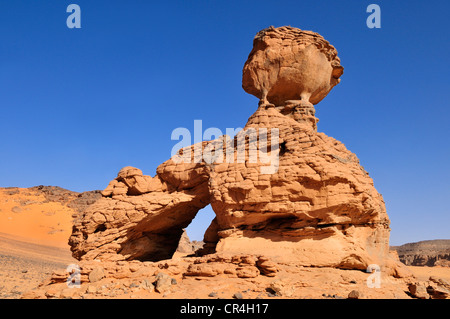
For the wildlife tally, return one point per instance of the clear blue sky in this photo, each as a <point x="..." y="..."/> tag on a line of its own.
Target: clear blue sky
<point x="78" y="104"/>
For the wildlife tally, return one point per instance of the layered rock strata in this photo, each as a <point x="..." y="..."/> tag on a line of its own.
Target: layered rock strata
<point x="425" y="253"/>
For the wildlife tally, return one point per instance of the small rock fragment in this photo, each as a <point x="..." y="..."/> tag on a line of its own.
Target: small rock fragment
<point x="238" y="295"/>
<point x="96" y="274"/>
<point x="418" y="290"/>
<point x="163" y="282"/>
<point x="354" y="294"/>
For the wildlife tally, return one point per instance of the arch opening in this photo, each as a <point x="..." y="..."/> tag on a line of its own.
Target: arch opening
<point x="192" y="240"/>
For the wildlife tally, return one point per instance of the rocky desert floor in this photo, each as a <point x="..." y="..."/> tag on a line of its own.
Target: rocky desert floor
<point x="33" y="238"/>
<point x="423" y="273"/>
<point x="23" y="266"/>
<point x="35" y="224"/>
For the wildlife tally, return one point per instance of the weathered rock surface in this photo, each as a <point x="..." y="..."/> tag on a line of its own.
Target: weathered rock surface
<point x="418" y="290"/>
<point x="319" y="208"/>
<point x="96" y="274"/>
<point x="434" y="288"/>
<point x="217" y="276"/>
<point x="77" y="201"/>
<point x="311" y="203"/>
<point x="291" y="64"/>
<point x="125" y="225"/>
<point x="186" y="246"/>
<point x="425" y="253"/>
<point x="163" y="282"/>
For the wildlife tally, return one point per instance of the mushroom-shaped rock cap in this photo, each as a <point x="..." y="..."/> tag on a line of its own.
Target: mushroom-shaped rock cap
<point x="287" y="63"/>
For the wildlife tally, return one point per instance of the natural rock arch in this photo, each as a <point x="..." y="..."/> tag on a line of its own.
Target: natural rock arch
<point x="141" y="217"/>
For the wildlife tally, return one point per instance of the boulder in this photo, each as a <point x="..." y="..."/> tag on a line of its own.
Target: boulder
<point x="97" y="274"/>
<point x="287" y="63"/>
<point x="163" y="282"/>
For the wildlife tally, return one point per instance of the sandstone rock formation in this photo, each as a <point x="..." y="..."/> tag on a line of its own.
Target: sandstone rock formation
<point x="291" y="64"/>
<point x="434" y="288"/>
<point x="77" y="201"/>
<point x="186" y="246"/>
<point x="312" y="204"/>
<point x="425" y="253"/>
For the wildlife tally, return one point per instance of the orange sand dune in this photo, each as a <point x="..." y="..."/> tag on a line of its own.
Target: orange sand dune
<point x="29" y="216"/>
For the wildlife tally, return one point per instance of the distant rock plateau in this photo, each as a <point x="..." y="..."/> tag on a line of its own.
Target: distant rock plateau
<point x="425" y="253"/>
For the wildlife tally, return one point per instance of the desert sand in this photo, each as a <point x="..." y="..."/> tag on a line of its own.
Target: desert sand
<point x="34" y="230"/>
<point x="31" y="217"/>
<point x="424" y="273"/>
<point x="24" y="265"/>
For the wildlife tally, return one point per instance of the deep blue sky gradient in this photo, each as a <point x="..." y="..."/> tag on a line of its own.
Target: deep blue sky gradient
<point x="76" y="105"/>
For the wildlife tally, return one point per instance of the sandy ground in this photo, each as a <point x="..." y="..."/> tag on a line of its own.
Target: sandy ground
<point x="24" y="265"/>
<point x="29" y="215"/>
<point x="33" y="239"/>
<point x="423" y="273"/>
<point x="33" y="244"/>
